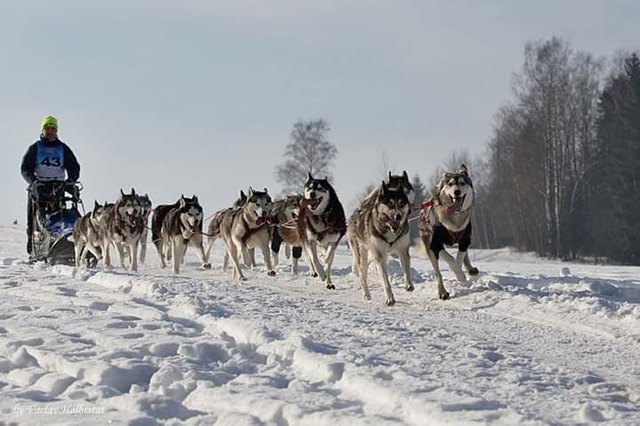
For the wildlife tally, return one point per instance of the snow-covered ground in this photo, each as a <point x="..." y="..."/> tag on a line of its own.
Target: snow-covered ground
<point x="529" y="341"/>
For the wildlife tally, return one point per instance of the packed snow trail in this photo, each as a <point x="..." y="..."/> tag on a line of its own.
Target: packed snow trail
<point x="528" y="342"/>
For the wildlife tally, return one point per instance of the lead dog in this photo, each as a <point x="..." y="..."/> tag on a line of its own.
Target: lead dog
<point x="394" y="182"/>
<point x="378" y="227"/>
<point x="447" y="222"/>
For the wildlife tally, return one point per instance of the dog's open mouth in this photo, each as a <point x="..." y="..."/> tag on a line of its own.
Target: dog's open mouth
<point x="313" y="203"/>
<point x="131" y="219"/>
<point x="456" y="204"/>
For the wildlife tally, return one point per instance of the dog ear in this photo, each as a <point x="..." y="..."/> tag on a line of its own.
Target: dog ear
<point x="405" y="175"/>
<point x="121" y="192"/>
<point x="243" y="195"/>
<point x="388" y="179"/>
<point x="385" y="189"/>
<point x="250" y="192"/>
<point x="133" y="191"/>
<point x="182" y="202"/>
<point x="95" y="204"/>
<point x="463" y="170"/>
<point x="309" y="176"/>
<point x="266" y="190"/>
<point x="195" y="198"/>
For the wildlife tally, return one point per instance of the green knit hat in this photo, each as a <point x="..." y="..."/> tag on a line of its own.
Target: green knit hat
<point x="49" y="120"/>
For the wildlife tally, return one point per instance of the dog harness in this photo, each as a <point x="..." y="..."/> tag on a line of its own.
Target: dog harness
<point x="49" y="162"/>
<point x="250" y="231"/>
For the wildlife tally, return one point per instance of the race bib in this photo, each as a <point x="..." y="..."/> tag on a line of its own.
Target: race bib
<point x="49" y="162"/>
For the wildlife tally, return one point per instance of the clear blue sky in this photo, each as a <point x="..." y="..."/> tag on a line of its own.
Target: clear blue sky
<point x="199" y="97"/>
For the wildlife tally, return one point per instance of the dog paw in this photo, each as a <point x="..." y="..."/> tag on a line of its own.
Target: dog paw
<point x="390" y="302"/>
<point x="409" y="287"/>
<point x="473" y="271"/>
<point x="331" y="286"/>
<point x="314" y="274"/>
<point x="271" y="273"/>
<point x="443" y="295"/>
<point x="206" y="265"/>
<point x="366" y="297"/>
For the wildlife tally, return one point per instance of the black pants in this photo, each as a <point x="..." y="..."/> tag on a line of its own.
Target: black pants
<point x="29" y="223"/>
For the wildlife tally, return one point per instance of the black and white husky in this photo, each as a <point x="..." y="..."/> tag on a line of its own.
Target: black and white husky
<point x="447" y="222"/>
<point x="321" y="223"/>
<point x="89" y="233"/>
<point x="176" y="226"/>
<point x="124" y="229"/>
<point x="247" y="227"/>
<point x="378" y="227"/>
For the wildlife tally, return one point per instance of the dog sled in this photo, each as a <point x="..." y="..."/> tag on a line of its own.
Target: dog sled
<point x="54" y="209"/>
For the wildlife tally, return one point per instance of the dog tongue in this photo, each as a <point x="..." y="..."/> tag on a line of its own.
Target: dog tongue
<point x="451" y="209"/>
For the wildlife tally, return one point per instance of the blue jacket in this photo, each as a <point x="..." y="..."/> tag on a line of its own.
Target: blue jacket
<point x="29" y="161"/>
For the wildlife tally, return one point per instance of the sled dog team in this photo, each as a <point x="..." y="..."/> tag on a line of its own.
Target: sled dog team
<point x="315" y="219"/>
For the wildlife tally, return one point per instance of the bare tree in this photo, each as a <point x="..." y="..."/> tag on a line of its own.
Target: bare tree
<point x="308" y="152"/>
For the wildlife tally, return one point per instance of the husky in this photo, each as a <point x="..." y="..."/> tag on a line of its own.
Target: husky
<point x="124" y="228"/>
<point x="393" y="182"/>
<point x="176" y="226"/>
<point x="246" y="227"/>
<point x="447" y="222"/>
<point x="321" y="222"/>
<point x="378" y="227"/>
<point x="284" y="215"/>
<point x="213" y="230"/>
<point x="88" y="233"/>
<point x="145" y="207"/>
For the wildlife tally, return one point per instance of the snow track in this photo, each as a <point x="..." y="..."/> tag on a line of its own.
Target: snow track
<point x="524" y="343"/>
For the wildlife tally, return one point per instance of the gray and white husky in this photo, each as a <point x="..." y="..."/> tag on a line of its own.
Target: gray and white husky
<point x="447" y="222"/>
<point x="247" y="227"/>
<point x="213" y="230"/>
<point x="124" y="228"/>
<point x="89" y="233"/>
<point x="176" y="226"/>
<point x="378" y="227"/>
<point x="394" y="182"/>
<point x="321" y="223"/>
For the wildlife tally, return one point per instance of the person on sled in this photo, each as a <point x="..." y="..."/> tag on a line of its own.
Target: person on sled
<point x="47" y="160"/>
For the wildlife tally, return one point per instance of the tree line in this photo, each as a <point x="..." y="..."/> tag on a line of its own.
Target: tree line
<point x="560" y="176"/>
